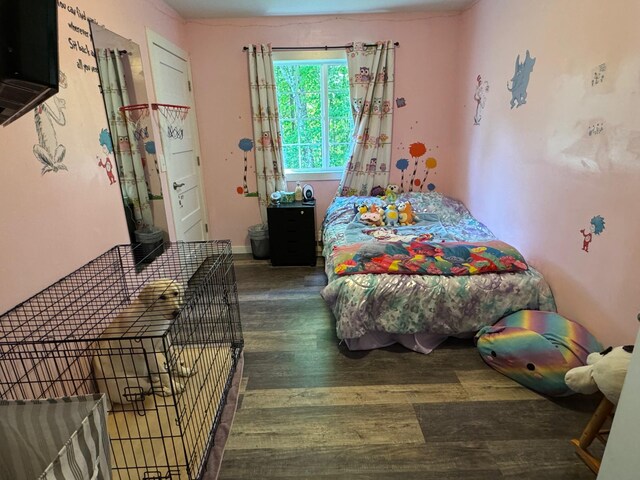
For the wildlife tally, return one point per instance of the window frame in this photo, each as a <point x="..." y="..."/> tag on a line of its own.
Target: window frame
<point x="325" y="172"/>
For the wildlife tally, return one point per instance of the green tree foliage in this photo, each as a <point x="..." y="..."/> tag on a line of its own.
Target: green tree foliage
<point x="301" y="104"/>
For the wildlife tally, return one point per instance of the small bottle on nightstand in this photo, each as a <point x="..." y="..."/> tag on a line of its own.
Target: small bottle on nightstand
<point x="298" y="192"/>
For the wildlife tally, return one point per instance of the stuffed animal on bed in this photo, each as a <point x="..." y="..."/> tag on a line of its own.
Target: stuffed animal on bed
<point x="391" y="193"/>
<point x="377" y="191"/>
<point x="604" y="371"/>
<point x="372" y="218"/>
<point x="536" y="349"/>
<point x="405" y="214"/>
<point x="391" y="215"/>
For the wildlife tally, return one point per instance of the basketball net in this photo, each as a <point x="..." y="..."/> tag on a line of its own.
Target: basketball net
<point x="134" y="115"/>
<point x="174" y="116"/>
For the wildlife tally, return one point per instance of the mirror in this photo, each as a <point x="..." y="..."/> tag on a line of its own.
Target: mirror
<point x="129" y="149"/>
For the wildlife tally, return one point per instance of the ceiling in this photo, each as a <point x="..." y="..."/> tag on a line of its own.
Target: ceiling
<point x="257" y="8"/>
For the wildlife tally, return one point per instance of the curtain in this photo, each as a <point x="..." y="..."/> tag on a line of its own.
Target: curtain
<point x="371" y="70"/>
<point x="128" y="158"/>
<point x="266" y="126"/>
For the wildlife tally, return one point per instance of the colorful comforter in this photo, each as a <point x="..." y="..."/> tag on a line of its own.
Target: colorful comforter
<point x="415" y="303"/>
<point x="422" y="256"/>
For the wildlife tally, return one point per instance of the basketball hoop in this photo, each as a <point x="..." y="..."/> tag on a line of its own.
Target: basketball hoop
<point x="175" y="116"/>
<point x="134" y="114"/>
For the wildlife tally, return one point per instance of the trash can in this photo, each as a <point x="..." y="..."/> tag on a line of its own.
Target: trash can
<point x="259" y="236"/>
<point x="151" y="243"/>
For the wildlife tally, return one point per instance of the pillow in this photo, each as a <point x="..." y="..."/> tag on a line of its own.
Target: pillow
<point x="536" y="349"/>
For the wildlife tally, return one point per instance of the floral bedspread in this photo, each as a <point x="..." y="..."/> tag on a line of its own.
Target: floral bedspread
<point x="422" y="256"/>
<point x="439" y="304"/>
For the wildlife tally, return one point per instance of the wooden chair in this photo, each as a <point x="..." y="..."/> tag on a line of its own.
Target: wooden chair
<point x="592" y="431"/>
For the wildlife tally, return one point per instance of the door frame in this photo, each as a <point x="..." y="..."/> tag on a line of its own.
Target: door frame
<point x="155" y="39"/>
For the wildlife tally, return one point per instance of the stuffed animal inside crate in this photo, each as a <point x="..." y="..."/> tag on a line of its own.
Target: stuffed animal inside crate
<point x="536" y="349"/>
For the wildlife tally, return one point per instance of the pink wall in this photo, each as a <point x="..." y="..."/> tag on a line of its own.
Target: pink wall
<point x="534" y="174"/>
<point x="56" y="222"/>
<point x="425" y="64"/>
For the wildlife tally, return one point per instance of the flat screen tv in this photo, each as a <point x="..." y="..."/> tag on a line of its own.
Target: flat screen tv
<point x="28" y="55"/>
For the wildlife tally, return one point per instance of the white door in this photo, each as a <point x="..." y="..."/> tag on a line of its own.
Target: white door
<point x="172" y="83"/>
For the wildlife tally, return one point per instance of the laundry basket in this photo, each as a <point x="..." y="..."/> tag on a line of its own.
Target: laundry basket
<point x="259" y="236"/>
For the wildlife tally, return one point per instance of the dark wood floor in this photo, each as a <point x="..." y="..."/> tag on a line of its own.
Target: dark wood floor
<point x="310" y="409"/>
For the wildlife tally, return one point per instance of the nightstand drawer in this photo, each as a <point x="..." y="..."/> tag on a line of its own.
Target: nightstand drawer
<point x="292" y="234"/>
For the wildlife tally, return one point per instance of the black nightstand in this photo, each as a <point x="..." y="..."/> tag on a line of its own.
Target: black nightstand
<point x="292" y="234"/>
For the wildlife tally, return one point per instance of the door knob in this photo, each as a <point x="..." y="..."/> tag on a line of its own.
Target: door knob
<point x="177" y="185"/>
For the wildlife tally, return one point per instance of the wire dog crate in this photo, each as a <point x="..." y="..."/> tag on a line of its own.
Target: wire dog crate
<point x="162" y="341"/>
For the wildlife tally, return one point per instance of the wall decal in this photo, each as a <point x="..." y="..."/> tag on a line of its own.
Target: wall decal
<point x="246" y="145"/>
<point x="402" y="165"/>
<point x="596" y="227"/>
<point x="520" y="80"/>
<point x="416" y="150"/>
<point x="48" y="151"/>
<point x="429" y="164"/>
<point x="431" y="187"/>
<point x="596" y="129"/>
<point x="597" y="76"/>
<point x="480" y="97"/>
<point x="401" y="102"/>
<point x="107" y="149"/>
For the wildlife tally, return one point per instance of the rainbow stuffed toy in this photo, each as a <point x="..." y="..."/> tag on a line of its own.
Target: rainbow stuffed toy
<point x="536" y="349"/>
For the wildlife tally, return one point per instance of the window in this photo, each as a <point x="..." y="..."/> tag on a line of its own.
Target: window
<point x="315" y="114"/>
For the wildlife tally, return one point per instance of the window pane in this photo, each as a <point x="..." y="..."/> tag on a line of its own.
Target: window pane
<point x="338" y="77"/>
<point x="338" y="154"/>
<point x="339" y="105"/>
<point x="291" y="159"/>
<point x="311" y="131"/>
<point x="286" y="106"/>
<point x="340" y="130"/>
<point x="289" y="132"/>
<point x="311" y="156"/>
<point x="309" y="78"/>
<point x="312" y="105"/>
<point x="285" y="75"/>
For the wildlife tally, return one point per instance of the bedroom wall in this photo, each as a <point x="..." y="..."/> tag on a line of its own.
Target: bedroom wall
<point x="539" y="173"/>
<point x="426" y="63"/>
<point x="54" y="222"/>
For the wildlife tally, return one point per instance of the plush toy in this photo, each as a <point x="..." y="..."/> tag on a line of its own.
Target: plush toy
<point x="536" y="349"/>
<point x="405" y="213"/>
<point x="377" y="191"/>
<point x="360" y="208"/>
<point x="604" y="371"/>
<point x="372" y="218"/>
<point x="391" y="193"/>
<point x="391" y="215"/>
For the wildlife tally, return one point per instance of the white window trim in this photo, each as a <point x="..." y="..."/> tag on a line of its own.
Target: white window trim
<point x="324" y="58"/>
<point x="312" y="175"/>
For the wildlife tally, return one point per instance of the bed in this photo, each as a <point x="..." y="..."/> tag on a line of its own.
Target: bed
<point x="417" y="304"/>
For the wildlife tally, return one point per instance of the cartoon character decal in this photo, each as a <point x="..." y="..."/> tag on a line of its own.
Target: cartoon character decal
<point x="48" y="151"/>
<point x="596" y="227"/>
<point x="520" y="80"/>
<point x="107" y="148"/>
<point x="480" y="97"/>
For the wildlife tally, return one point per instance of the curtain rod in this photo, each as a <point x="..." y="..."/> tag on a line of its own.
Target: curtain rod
<point x="325" y="47"/>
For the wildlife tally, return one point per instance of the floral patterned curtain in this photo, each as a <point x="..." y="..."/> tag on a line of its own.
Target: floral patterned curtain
<point x="371" y="70"/>
<point x="266" y="126"/>
<point x="128" y="158"/>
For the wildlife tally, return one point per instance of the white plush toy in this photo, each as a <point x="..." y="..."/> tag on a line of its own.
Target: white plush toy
<point x="604" y="371"/>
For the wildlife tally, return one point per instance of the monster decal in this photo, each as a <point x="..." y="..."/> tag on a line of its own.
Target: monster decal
<point x="520" y="80"/>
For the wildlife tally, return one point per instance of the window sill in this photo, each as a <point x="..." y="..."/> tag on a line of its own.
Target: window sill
<point x="312" y="176"/>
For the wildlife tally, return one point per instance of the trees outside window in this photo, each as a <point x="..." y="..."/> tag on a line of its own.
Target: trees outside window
<point x="315" y="114"/>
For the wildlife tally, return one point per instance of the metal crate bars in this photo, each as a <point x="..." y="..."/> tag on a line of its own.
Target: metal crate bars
<point x="49" y="345"/>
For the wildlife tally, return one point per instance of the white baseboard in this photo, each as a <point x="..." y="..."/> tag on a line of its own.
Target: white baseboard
<point x="241" y="249"/>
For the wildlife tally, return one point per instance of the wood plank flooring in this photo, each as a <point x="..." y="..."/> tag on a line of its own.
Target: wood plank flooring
<point x="310" y="409"/>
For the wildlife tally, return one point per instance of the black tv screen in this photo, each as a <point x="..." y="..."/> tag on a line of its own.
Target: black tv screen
<point x="28" y="55"/>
